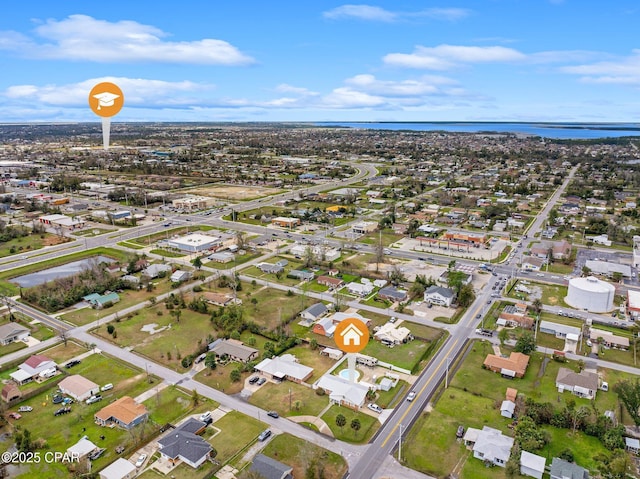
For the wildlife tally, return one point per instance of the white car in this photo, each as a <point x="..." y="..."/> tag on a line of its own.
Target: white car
<point x="106" y="387"/>
<point x="374" y="407"/>
<point x="141" y="459"/>
<point x="411" y="396"/>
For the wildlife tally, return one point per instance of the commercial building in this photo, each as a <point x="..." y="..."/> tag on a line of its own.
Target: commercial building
<point x="284" y="222"/>
<point x="194" y="242"/>
<point x="193" y="203"/>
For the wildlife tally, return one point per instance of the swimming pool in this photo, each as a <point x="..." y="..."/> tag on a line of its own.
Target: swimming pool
<point x="345" y="374"/>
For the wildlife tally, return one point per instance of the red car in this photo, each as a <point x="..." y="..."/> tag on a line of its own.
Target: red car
<point x="15" y="415"/>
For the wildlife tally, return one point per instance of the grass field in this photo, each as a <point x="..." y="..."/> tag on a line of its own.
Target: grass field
<point x="237" y="431"/>
<point x="29" y="243"/>
<point x="300" y="455"/>
<point x="406" y="356"/>
<point x="369" y="425"/>
<point x="172" y="404"/>
<point x="277" y="397"/>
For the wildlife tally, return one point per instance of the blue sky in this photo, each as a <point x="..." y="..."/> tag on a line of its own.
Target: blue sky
<point x="402" y="60"/>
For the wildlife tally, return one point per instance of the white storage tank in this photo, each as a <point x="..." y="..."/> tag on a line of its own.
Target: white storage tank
<point x="591" y="294"/>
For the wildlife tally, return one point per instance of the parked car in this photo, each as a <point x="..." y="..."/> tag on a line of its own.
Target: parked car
<point x="67" y="401"/>
<point x="25" y="409"/>
<point x="106" y="387"/>
<point x="62" y="410"/>
<point x="206" y="416"/>
<point x="264" y="435"/>
<point x="15" y="415"/>
<point x="96" y="454"/>
<point x="374" y="407"/>
<point x="460" y="432"/>
<point x="72" y="363"/>
<point x="94" y="399"/>
<point x="411" y="396"/>
<point x="253" y="380"/>
<point x="261" y="381"/>
<point x="119" y="449"/>
<point x="273" y="414"/>
<point x="141" y="459"/>
<point x="57" y="399"/>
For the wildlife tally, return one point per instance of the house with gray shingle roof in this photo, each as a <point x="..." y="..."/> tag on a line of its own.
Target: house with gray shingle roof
<point x="269" y="468"/>
<point x="183" y="445"/>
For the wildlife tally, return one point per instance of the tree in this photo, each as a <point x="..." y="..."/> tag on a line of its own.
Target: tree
<point x="466" y="296"/>
<point x="355" y="425"/>
<point x="536" y="305"/>
<point x="235" y="375"/>
<point x="195" y="399"/>
<point x="529" y="436"/>
<point x="526" y="343"/>
<point x="628" y="392"/>
<point x="309" y="257"/>
<point x="210" y="361"/>
<point x="197" y="263"/>
<point x="396" y="275"/>
<point x="241" y="238"/>
<point x="341" y="421"/>
<point x="503" y="335"/>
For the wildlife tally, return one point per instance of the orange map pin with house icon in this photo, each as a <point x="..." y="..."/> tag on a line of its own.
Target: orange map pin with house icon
<point x="106" y="100"/>
<point x="351" y="335"/>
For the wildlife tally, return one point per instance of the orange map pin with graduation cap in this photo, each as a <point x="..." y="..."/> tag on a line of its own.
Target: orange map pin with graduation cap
<point x="106" y="100"/>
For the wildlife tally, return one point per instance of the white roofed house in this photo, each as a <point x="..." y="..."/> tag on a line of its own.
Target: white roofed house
<point x="34" y="368"/>
<point x="492" y="446"/>
<point x="82" y="448"/>
<point x="78" y="387"/>
<point x="360" y="289"/>
<point x="285" y="367"/>
<point x="633" y="304"/>
<point x="532" y="465"/>
<point x="342" y="391"/>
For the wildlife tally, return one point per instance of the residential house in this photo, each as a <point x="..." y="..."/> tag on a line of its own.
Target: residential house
<point x="532" y="465"/>
<point x="515" y="315"/>
<point x="81" y="449"/>
<point x="583" y="384"/>
<point x="561" y="469"/>
<point x="269" y="468"/>
<point x="184" y="445"/>
<point x="123" y="412"/>
<point x="633" y="303"/>
<point x="217" y="299"/>
<point x="78" y="387"/>
<point x="343" y="392"/>
<point x="558" y="249"/>
<point x="559" y="330"/>
<point x="11" y="332"/>
<point x="179" y="276"/>
<point x="632" y="445"/>
<point x="235" y="350"/>
<point x="492" y="446"/>
<point x="338" y="317"/>
<point x="513" y="366"/>
<point x="392" y="294"/>
<point x="325" y="327"/>
<point x="284" y="367"/>
<point x="315" y="311"/>
<point x="439" y="295"/>
<point x="100" y="301"/>
<point x="390" y="334"/>
<point x="222" y="257"/>
<point x="332" y="353"/>
<point x="608" y="339"/>
<point x="119" y="469"/>
<point x="360" y="289"/>
<point x="270" y="268"/>
<point x="155" y="270"/>
<point x="301" y="275"/>
<point x="330" y="282"/>
<point x="35" y="368"/>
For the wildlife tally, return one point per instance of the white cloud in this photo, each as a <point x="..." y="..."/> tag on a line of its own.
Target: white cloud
<point x="81" y="37"/>
<point x="378" y="14"/>
<point x="137" y="92"/>
<point x="444" y="57"/>
<point x="624" y="71"/>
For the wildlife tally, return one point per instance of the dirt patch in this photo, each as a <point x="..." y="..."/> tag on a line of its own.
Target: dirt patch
<point x="552" y="300"/>
<point x="53" y="240"/>
<point x="234" y="192"/>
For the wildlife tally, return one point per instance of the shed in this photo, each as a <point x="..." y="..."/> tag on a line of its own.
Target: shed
<point x="507" y="408"/>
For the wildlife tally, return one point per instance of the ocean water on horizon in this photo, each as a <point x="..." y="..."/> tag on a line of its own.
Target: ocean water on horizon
<point x="558" y="131"/>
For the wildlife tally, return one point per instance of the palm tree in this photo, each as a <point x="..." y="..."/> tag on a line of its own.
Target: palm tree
<point x="355" y="425"/>
<point x="341" y="421"/>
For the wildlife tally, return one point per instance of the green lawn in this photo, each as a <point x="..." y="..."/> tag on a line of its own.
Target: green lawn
<point x="369" y="425"/>
<point x="237" y="431"/>
<point x="171" y="404"/>
<point x="406" y="356"/>
<point x="220" y="379"/>
<point x="277" y="397"/>
<point x="12" y="348"/>
<point x="299" y="454"/>
<point x="313" y="359"/>
<point x="168" y="253"/>
<point x="27" y="243"/>
<point x="178" y="339"/>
